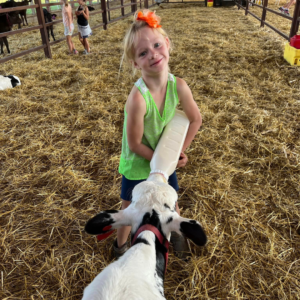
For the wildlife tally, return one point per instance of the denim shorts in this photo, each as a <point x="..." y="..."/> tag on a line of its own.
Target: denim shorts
<point x="128" y="185"/>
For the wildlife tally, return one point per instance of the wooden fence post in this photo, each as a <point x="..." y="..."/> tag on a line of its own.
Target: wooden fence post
<point x="295" y="21"/>
<point x="104" y="15"/>
<point x="122" y="9"/>
<point x="247" y="7"/>
<point x="133" y="7"/>
<point x="33" y="9"/>
<point x="108" y="12"/>
<point x="43" y="30"/>
<point x="264" y="12"/>
<point x="146" y="5"/>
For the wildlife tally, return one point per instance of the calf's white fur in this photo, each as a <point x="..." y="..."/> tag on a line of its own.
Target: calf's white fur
<point x="8" y="82"/>
<point x="139" y="273"/>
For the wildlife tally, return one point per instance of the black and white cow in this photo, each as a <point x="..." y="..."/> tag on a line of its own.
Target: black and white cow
<point x="7" y="82"/>
<point x="139" y="273"/>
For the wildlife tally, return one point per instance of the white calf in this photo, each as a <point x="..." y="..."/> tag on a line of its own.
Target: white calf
<point x="139" y="273"/>
<point x="7" y="82"/>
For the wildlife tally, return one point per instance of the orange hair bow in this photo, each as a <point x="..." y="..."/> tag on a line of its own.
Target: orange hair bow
<point x="150" y="18"/>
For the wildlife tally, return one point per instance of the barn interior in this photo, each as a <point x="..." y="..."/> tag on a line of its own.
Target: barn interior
<point x="60" y="139"/>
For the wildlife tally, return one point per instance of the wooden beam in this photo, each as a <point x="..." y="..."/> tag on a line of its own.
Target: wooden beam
<point x="43" y="30"/>
<point x="295" y="22"/>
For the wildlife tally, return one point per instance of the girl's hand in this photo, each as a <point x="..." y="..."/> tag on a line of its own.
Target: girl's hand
<point x="183" y="159"/>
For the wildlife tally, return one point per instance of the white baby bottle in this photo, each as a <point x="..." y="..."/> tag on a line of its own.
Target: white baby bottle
<point x="169" y="147"/>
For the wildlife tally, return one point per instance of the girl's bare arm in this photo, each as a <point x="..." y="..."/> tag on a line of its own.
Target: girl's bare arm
<point x="86" y="13"/>
<point x="70" y="17"/>
<point x="136" y="109"/>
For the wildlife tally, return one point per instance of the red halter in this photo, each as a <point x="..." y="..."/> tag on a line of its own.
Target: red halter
<point x="148" y="227"/>
<point x="160" y="237"/>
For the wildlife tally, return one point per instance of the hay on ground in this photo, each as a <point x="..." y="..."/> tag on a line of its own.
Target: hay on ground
<point x="61" y="141"/>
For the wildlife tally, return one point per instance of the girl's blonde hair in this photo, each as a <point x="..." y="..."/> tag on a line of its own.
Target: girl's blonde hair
<point x="66" y="2"/>
<point x="128" y="42"/>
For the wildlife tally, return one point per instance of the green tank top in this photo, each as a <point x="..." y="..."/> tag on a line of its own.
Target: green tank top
<point x="132" y="165"/>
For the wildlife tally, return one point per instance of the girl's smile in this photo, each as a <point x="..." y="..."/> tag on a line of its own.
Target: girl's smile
<point x="157" y="62"/>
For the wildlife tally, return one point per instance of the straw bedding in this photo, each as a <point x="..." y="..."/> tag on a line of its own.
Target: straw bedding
<point x="61" y="141"/>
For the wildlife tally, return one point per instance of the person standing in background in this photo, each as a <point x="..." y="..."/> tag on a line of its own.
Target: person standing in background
<point x="69" y="26"/>
<point x="84" y="28"/>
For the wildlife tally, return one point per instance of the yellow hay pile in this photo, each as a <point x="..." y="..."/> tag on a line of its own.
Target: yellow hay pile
<point x="61" y="141"/>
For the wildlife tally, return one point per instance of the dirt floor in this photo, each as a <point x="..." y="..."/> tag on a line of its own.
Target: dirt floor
<point x="61" y="142"/>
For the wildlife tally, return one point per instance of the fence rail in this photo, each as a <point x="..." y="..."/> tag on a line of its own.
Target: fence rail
<point x="42" y="25"/>
<point x="295" y="19"/>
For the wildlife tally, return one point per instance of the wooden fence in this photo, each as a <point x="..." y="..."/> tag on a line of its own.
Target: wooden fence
<point x="31" y="13"/>
<point x="295" y="19"/>
<point x="42" y="25"/>
<point x="107" y="7"/>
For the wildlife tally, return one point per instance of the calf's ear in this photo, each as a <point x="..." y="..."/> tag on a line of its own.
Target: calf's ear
<point x="107" y="221"/>
<point x="190" y="229"/>
<point x="14" y="81"/>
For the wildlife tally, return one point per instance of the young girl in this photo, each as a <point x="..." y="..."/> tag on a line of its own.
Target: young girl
<point x="69" y="26"/>
<point x="149" y="107"/>
<point x="84" y="28"/>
